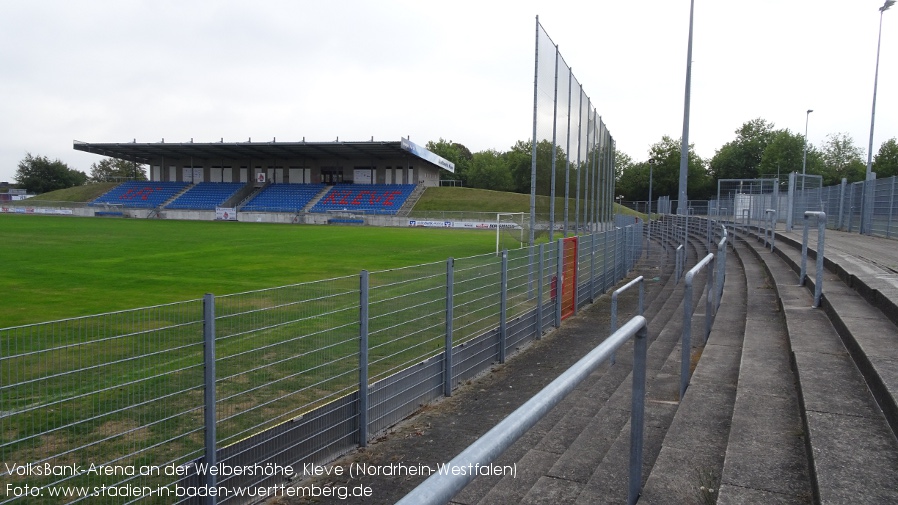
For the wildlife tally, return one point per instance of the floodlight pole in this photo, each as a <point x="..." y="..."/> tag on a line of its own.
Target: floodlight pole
<point x="882" y="10"/>
<point x="804" y="157"/>
<point x="867" y="208"/>
<point x="684" y="146"/>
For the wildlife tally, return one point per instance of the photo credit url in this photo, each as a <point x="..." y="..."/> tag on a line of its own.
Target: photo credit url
<point x="207" y="481"/>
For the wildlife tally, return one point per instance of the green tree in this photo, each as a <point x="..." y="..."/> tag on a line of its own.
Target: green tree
<point x="622" y="163"/>
<point x="520" y="165"/>
<point x="489" y="170"/>
<point x="783" y="154"/>
<point x="741" y="158"/>
<point x="37" y="174"/>
<point x="454" y="152"/>
<point x="885" y="163"/>
<point x="842" y="159"/>
<point x="666" y="176"/>
<point x="112" y="169"/>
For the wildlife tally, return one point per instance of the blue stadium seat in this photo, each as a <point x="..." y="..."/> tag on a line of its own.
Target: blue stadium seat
<point x="206" y="195"/>
<point x="365" y="198"/>
<point x="140" y="194"/>
<point x="283" y="198"/>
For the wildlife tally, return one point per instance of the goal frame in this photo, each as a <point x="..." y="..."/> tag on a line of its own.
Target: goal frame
<point x="499" y="216"/>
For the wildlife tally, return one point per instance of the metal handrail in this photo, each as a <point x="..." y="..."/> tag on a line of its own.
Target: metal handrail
<point x="685" y="355"/>
<point x="821" y="235"/>
<point x="721" y="266"/>
<point x="440" y="487"/>
<point x="641" y="282"/>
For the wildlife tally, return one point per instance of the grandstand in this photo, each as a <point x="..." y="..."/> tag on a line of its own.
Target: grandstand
<point x="191" y="179"/>
<point x="383" y="199"/>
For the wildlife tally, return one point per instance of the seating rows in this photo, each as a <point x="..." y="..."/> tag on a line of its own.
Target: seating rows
<point x="283" y="198"/>
<point x="367" y="198"/>
<point x="364" y="198"/>
<point x="206" y="195"/>
<point x="141" y="194"/>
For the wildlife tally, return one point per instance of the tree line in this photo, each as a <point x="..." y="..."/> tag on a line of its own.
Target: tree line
<point x="758" y="150"/>
<point x="38" y="174"/>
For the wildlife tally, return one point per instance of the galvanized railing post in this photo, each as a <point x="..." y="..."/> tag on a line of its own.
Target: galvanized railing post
<point x="637" y="413"/>
<point x="821" y="232"/>
<point x="450" y="315"/>
<point x="686" y="350"/>
<point x="209" y="415"/>
<point x="680" y="258"/>
<point x="709" y="300"/>
<point x="804" y="252"/>
<point x="440" y="487"/>
<point x="721" y="266"/>
<point x="363" y="359"/>
<point x="503" y="307"/>
<point x="539" y="292"/>
<point x="637" y="281"/>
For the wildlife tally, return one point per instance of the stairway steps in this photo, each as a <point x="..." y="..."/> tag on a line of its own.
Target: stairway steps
<point x="766" y="457"/>
<point x="693" y="450"/>
<point x="587" y="414"/>
<point x="852" y="450"/>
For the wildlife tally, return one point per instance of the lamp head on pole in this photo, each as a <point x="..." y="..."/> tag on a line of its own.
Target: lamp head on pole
<point x="886" y="5"/>
<point x="812" y="110"/>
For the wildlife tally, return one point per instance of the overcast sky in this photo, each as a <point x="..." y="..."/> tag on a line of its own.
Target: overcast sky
<point x="104" y="71"/>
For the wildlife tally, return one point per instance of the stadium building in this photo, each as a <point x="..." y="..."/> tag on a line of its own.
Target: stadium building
<point x="189" y="180"/>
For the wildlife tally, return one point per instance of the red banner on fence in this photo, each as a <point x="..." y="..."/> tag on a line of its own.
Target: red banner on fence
<point x="569" y="277"/>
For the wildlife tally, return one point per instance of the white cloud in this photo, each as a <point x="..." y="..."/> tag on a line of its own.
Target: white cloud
<point x="97" y="71"/>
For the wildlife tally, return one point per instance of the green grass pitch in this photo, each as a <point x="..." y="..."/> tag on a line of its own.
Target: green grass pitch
<point x="61" y="267"/>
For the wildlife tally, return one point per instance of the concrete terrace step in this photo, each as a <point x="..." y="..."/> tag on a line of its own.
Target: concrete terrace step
<point x="861" y="308"/>
<point x="853" y="451"/>
<point x="574" y="455"/>
<point x="691" y="459"/>
<point x="573" y="422"/>
<point x="766" y="459"/>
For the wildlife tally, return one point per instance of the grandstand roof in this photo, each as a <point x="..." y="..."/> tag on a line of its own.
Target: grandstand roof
<point x="146" y="152"/>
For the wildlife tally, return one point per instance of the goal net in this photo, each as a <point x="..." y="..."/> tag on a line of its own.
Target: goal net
<point x="512" y="226"/>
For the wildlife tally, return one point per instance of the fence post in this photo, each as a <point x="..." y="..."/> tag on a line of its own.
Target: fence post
<point x="843" y="186"/>
<point x="503" y="307"/>
<point x="559" y="280"/>
<point x="790" y="202"/>
<point x="605" y="261"/>
<point x="539" y="292"/>
<point x="592" y="268"/>
<point x="209" y="393"/>
<point x="891" y="207"/>
<point x="363" y="359"/>
<point x="447" y="353"/>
